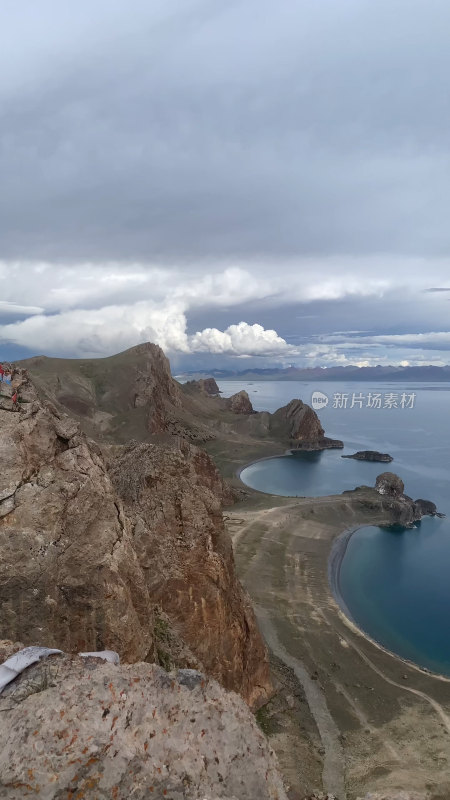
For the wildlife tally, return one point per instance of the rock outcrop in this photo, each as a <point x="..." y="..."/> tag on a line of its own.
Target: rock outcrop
<point x="370" y="455"/>
<point x="86" y="552"/>
<point x="206" y="385"/>
<point x="172" y="499"/>
<point x="85" y="728"/>
<point x="302" y="426"/>
<point x="390" y="484"/>
<point x="68" y="570"/>
<point x="403" y="509"/>
<point x="427" y="508"/>
<point x="239" y="403"/>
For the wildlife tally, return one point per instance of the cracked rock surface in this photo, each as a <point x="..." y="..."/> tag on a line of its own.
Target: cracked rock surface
<point x="88" y="549"/>
<point x="86" y="728"/>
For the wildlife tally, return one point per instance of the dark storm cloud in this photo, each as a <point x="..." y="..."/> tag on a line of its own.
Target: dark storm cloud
<point x="183" y="130"/>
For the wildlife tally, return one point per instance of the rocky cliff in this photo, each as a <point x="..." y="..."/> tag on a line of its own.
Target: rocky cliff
<point x="206" y="385"/>
<point x="84" y="728"/>
<point x="90" y="545"/>
<point x="239" y="403"/>
<point x="302" y="426"/>
<point x="172" y="498"/>
<point x="68" y="571"/>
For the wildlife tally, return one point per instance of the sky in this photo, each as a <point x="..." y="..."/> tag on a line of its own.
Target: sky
<point x="247" y="183"/>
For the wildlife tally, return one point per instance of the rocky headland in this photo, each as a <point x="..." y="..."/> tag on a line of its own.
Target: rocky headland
<point x="403" y="509"/>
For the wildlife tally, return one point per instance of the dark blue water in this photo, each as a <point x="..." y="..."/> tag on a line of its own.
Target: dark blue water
<point x="394" y="583"/>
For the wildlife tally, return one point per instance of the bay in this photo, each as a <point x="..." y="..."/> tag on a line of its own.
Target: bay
<point x="395" y="583"/>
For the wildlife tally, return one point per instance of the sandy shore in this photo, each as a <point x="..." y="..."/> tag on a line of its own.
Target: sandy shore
<point x="349" y="717"/>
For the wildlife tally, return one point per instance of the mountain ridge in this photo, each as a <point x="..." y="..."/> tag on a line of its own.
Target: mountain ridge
<point x="347" y="373"/>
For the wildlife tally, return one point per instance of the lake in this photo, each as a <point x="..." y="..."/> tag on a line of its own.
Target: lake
<point x="395" y="583"/>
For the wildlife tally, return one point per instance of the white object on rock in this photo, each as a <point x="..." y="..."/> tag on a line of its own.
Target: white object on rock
<point x="106" y="655"/>
<point x="16" y="664"/>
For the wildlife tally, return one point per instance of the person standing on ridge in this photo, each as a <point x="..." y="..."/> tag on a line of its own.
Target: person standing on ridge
<point x="2" y="372"/>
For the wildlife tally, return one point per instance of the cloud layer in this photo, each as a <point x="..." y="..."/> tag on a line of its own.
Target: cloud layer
<point x="228" y="180"/>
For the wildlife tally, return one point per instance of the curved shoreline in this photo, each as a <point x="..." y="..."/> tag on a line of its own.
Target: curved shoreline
<point x="336" y="556"/>
<point x="337" y="551"/>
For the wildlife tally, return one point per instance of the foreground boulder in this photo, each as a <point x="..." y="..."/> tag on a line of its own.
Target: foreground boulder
<point x="84" y="728"/>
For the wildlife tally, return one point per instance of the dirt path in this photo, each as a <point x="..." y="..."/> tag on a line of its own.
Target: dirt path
<point x="333" y="759"/>
<point x="382" y="724"/>
<point x="433" y="703"/>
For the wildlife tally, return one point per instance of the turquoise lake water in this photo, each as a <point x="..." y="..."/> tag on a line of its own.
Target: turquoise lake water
<point x="395" y="583"/>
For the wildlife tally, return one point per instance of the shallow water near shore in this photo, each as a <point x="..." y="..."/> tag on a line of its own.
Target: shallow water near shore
<point x="394" y="582"/>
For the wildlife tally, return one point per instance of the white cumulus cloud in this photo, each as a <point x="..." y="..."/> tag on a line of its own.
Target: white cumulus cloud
<point x="240" y="340"/>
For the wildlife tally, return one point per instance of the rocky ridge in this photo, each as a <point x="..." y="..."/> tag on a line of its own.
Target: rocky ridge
<point x="93" y="540"/>
<point x="133" y="396"/>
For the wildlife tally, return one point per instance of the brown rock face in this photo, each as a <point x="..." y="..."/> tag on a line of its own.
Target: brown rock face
<point x="390" y="484"/>
<point x="172" y="498"/>
<point x="206" y="385"/>
<point x="239" y="403"/>
<point x="404" y="510"/>
<point x="84" y="728"/>
<point x="69" y="576"/>
<point x="84" y="559"/>
<point x="303" y="427"/>
<point x="154" y="388"/>
<point x="131" y="394"/>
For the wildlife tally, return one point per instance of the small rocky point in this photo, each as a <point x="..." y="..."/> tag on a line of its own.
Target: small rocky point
<point x="404" y="509"/>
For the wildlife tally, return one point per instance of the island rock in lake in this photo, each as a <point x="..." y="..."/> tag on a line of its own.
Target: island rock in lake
<point x="370" y="455"/>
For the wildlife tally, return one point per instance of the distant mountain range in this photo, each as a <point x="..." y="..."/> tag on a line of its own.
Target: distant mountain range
<point x="350" y="373"/>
